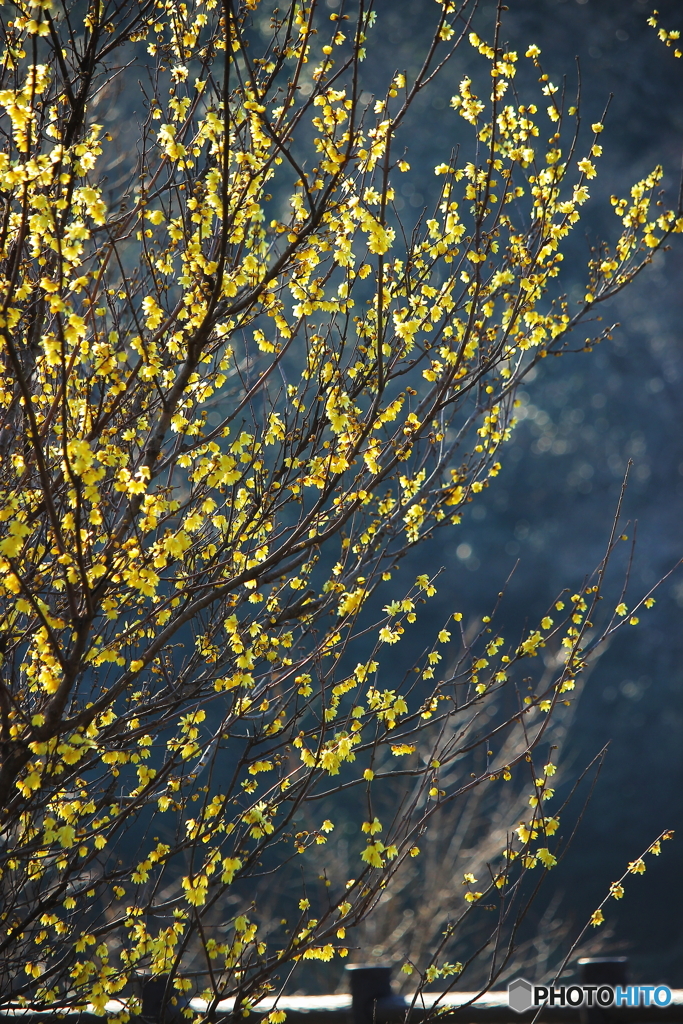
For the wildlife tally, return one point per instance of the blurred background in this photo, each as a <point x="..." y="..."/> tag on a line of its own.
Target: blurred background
<point x="583" y="418"/>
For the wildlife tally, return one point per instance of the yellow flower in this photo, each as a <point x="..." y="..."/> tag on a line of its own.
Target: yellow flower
<point x="372" y="854"/>
<point x="372" y="827"/>
<point x="546" y="857"/>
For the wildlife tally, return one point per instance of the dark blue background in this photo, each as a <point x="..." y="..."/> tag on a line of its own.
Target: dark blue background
<point x="552" y="505"/>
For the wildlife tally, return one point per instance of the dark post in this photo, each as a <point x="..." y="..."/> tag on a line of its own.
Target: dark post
<point x="371" y="992"/>
<point x="604" y="970"/>
<point x="153" y="993"/>
<point x="601" y="970"/>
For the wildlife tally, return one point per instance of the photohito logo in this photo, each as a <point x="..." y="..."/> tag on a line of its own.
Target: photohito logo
<point x="522" y="995"/>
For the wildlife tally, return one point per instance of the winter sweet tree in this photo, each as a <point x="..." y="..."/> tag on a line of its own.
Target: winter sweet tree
<point x="237" y="387"/>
